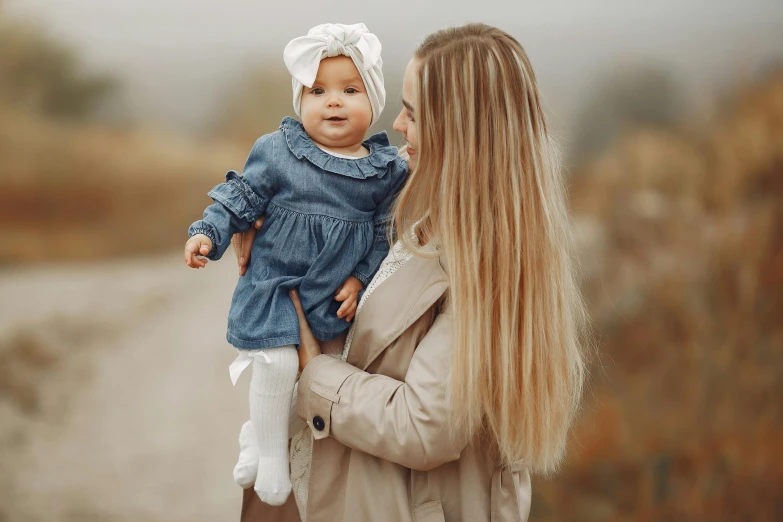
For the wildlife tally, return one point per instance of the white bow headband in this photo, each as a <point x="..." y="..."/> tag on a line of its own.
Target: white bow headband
<point x="303" y="56"/>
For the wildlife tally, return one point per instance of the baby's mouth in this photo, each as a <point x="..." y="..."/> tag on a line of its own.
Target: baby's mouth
<point x="335" y="118"/>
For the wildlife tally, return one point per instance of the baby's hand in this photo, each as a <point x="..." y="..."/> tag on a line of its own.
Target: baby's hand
<point x="348" y="293"/>
<point x="198" y="245"/>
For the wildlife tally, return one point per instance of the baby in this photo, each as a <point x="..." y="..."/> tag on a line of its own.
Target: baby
<point x="327" y="196"/>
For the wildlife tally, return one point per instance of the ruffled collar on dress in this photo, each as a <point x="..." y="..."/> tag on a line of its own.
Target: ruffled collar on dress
<point x="376" y="164"/>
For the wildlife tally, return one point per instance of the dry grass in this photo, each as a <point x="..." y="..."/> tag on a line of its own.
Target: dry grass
<point x="86" y="192"/>
<point x="685" y="278"/>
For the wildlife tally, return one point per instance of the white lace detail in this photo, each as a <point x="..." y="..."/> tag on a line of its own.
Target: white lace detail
<point x="397" y="257"/>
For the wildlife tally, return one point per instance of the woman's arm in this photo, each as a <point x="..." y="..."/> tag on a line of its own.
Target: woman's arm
<point x="406" y="422"/>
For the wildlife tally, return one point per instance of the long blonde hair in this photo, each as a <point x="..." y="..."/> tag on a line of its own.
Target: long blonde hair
<point x="489" y="187"/>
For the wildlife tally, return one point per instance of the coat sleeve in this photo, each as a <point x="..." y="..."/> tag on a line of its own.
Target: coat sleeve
<point x="405" y="422"/>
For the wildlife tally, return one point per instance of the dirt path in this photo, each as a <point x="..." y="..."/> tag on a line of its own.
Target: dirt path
<point x="116" y="403"/>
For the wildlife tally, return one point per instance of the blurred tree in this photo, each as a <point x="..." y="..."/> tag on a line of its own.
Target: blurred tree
<point x="43" y="76"/>
<point x="626" y="98"/>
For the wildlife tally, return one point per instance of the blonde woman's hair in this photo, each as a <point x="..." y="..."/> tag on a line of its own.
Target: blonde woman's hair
<point x="489" y="187"/>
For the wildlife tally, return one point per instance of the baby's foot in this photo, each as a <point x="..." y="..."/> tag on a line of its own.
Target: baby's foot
<point x="246" y="470"/>
<point x="273" y="484"/>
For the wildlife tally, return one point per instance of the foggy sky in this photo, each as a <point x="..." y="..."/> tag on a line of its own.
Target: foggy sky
<point x="176" y="55"/>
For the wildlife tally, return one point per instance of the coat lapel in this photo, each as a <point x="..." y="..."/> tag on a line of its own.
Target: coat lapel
<point x="395" y="305"/>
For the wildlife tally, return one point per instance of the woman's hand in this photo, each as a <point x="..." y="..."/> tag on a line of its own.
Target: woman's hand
<point x="243" y="243"/>
<point x="309" y="346"/>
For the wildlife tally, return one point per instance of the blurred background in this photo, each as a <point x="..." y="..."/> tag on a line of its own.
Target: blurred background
<point x="116" y="118"/>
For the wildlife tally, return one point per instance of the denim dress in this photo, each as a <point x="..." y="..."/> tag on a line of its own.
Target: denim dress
<point x="326" y="219"/>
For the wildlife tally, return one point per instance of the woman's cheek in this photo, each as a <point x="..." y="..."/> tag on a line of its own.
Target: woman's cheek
<point x="411" y="162"/>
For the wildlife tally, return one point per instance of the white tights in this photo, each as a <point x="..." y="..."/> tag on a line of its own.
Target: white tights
<point x="265" y="459"/>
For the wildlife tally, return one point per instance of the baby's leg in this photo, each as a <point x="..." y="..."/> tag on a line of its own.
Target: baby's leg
<point x="271" y="391"/>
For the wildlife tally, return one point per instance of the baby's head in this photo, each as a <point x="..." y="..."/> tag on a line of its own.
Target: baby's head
<point x="337" y="82"/>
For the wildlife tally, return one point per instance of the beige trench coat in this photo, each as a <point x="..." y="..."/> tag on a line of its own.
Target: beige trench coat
<point x="383" y="450"/>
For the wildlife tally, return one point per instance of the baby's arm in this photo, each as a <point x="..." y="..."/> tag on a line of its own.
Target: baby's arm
<point x="238" y="202"/>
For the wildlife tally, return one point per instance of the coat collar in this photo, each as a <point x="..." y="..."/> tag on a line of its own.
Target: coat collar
<point x="376" y="164"/>
<point x="394" y="306"/>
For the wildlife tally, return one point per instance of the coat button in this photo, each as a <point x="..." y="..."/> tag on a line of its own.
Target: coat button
<point x="318" y="423"/>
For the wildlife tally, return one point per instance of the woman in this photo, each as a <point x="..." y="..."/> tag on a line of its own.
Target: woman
<point x="465" y="367"/>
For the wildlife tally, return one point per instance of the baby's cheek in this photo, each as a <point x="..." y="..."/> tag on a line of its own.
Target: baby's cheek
<point x="364" y="109"/>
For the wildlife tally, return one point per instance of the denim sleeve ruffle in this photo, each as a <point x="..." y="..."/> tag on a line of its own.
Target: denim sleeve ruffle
<point x="219" y="224"/>
<point x="238" y="202"/>
<point x="238" y="197"/>
<point x="382" y="221"/>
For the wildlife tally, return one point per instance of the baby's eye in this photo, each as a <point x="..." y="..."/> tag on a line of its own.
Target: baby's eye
<point x="317" y="90"/>
<point x="351" y="90"/>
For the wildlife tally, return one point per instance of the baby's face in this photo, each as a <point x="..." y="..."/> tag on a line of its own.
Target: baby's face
<point x="336" y="110"/>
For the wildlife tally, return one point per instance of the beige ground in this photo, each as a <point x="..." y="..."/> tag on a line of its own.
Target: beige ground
<point x="115" y="400"/>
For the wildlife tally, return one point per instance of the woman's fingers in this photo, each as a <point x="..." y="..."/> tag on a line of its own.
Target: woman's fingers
<point x="236" y="243"/>
<point x="305" y="333"/>
<point x="243" y="244"/>
<point x="298" y="306"/>
<point x="309" y="346"/>
<point x="247" y="244"/>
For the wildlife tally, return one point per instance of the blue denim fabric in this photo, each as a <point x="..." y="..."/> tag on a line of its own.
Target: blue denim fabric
<point x="326" y="219"/>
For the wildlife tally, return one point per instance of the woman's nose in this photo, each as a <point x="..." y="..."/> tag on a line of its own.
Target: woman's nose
<point x="398" y="125"/>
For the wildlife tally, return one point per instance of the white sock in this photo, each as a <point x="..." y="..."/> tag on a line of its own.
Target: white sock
<point x="271" y="391"/>
<point x="246" y="470"/>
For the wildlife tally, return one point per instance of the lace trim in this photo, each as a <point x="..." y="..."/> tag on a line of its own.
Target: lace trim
<point x="397" y="257"/>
